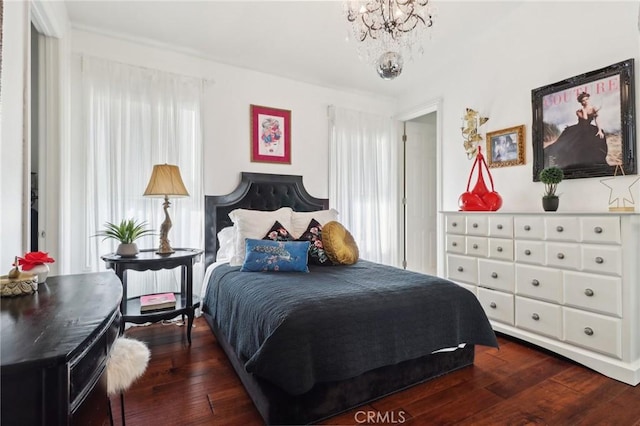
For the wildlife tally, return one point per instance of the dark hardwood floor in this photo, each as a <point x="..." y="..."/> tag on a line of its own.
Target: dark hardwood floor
<point x="515" y="385"/>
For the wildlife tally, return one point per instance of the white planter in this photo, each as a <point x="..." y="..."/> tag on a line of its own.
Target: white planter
<point x="42" y="271"/>
<point x="128" y="250"/>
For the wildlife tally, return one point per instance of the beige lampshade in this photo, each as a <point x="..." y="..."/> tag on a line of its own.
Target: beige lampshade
<point x="166" y="180"/>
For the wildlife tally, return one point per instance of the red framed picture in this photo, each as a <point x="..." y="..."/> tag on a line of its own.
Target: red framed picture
<point x="270" y="135"/>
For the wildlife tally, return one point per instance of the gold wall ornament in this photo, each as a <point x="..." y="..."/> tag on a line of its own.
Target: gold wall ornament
<point x="471" y="122"/>
<point x="619" y="190"/>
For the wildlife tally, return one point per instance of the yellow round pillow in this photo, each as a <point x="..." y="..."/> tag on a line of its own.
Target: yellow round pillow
<point x="339" y="244"/>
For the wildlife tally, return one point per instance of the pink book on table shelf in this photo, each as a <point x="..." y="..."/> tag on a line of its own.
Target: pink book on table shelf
<point x="157" y="299"/>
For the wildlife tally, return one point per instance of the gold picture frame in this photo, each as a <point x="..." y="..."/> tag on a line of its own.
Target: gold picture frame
<point x="506" y="147"/>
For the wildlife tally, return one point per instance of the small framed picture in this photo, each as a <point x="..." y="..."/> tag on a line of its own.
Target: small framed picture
<point x="506" y="147"/>
<point x="270" y="135"/>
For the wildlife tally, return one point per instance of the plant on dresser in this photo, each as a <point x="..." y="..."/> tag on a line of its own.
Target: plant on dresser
<point x="551" y="177"/>
<point x="568" y="282"/>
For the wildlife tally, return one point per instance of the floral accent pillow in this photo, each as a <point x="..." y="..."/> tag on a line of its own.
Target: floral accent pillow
<point x="313" y="234"/>
<point x="278" y="233"/>
<point x="275" y="256"/>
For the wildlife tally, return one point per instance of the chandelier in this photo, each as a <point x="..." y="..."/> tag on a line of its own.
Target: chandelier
<point x="388" y="30"/>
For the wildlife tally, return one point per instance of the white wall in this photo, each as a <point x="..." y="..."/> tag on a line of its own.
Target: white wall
<point x="226" y="111"/>
<point x="13" y="155"/>
<point x="539" y="44"/>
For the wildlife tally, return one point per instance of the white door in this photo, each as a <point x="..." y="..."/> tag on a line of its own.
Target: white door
<point x="420" y="193"/>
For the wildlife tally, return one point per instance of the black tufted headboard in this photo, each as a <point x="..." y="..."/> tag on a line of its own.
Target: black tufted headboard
<point x="256" y="191"/>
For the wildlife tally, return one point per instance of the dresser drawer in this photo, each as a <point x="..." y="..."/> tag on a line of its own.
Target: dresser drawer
<point x="496" y="274"/>
<point x="530" y="252"/>
<point x="563" y="255"/>
<point x="501" y="226"/>
<point x="562" y="228"/>
<point x="477" y="224"/>
<point x="602" y="259"/>
<point x="477" y="246"/>
<point x="593" y="331"/>
<point x="455" y="243"/>
<point x="593" y="292"/>
<point x="497" y="305"/>
<point x="500" y="249"/>
<point x="456" y="224"/>
<point x="539" y="317"/>
<point x="462" y="268"/>
<point x="88" y="365"/>
<point x="530" y="227"/>
<point x="600" y="229"/>
<point x="539" y="283"/>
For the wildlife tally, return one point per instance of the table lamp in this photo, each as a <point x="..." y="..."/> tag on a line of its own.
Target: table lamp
<point x="165" y="181"/>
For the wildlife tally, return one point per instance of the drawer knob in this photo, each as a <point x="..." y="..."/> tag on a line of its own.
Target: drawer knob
<point x="454" y="224"/>
<point x="588" y="331"/>
<point x="535" y="283"/>
<point x="535" y="317"/>
<point x="494" y="275"/>
<point x="499" y="249"/>
<point x="493" y="305"/>
<point x="527" y="228"/>
<point x="559" y="228"/>
<point x="597" y="230"/>
<point x="460" y="269"/>
<point x="599" y="260"/>
<point x="588" y="292"/>
<point x="454" y="244"/>
<point x="527" y="252"/>
<point x="475" y="225"/>
<point x="560" y="256"/>
<point x="475" y="246"/>
<point x="499" y="226"/>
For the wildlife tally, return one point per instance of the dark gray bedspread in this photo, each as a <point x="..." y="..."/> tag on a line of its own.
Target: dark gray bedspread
<point x="297" y="329"/>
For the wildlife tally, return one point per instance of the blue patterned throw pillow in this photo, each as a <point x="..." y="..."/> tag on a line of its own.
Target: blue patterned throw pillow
<point x="280" y="256"/>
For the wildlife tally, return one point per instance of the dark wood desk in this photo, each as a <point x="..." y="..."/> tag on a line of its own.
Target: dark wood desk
<point x="55" y="344"/>
<point x="186" y="301"/>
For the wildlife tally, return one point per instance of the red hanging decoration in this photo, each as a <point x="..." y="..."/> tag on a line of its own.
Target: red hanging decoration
<point x="480" y="198"/>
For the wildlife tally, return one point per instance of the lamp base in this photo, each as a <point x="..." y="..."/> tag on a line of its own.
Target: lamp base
<point x="165" y="248"/>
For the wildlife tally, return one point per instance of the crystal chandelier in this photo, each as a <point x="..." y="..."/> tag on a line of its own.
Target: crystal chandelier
<point x="388" y="30"/>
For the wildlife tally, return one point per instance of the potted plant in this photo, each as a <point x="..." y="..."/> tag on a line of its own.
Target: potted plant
<point x="127" y="232"/>
<point x="551" y="177"/>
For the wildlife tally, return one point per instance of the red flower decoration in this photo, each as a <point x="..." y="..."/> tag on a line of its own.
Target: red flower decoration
<point x="34" y="258"/>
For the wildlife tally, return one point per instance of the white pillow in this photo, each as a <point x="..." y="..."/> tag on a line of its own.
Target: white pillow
<point x="227" y="240"/>
<point x="301" y="220"/>
<point x="255" y="224"/>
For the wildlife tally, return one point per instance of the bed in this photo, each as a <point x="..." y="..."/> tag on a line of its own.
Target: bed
<point x="309" y="346"/>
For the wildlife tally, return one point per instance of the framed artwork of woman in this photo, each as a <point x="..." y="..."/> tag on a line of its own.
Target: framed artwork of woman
<point x="585" y="124"/>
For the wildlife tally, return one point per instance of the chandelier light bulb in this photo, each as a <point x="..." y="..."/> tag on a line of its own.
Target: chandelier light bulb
<point x="390" y="65"/>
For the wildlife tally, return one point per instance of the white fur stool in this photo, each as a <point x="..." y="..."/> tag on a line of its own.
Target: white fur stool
<point x="127" y="361"/>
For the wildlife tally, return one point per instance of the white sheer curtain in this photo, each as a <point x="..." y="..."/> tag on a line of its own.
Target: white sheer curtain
<point x="134" y="118"/>
<point x="363" y="181"/>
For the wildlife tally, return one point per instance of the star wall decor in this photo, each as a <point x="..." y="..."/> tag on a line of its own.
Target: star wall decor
<point x="618" y="189"/>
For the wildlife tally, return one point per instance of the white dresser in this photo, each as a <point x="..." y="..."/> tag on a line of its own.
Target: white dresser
<point x="567" y="282"/>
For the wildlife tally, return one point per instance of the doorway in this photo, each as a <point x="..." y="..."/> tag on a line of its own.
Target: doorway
<point x="420" y="193"/>
<point x="35" y="139"/>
